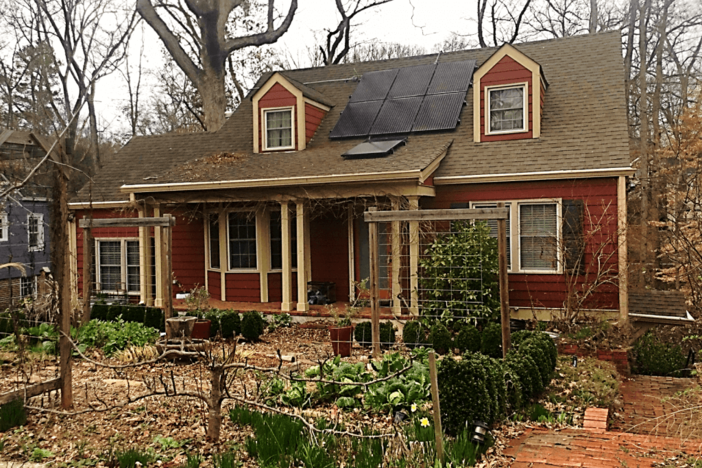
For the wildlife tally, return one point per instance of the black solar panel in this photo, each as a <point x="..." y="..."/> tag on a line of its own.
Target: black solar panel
<point x="452" y="77"/>
<point x="356" y="120"/>
<point x="412" y="81"/>
<point x="396" y="116"/>
<point x="439" y="112"/>
<point x="374" y="86"/>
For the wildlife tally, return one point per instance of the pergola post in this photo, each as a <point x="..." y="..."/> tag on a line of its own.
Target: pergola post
<point x="396" y="262"/>
<point x="88" y="245"/>
<point x="504" y="285"/>
<point x="374" y="284"/>
<point x="167" y="268"/>
<point x="286" y="305"/>
<point x="158" y="302"/>
<point x="302" y="258"/>
<point x="145" y="260"/>
<point x="414" y="257"/>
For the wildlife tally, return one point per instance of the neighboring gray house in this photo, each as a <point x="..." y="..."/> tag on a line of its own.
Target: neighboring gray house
<point x="24" y="219"/>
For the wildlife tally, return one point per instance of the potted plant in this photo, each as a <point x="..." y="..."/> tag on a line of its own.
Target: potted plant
<point x="197" y="302"/>
<point x="342" y="331"/>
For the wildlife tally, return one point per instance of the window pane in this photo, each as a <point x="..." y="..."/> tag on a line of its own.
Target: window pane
<point x="133" y="270"/>
<point x="538" y="240"/>
<point x="33" y="229"/>
<point x="507" y="109"/>
<point x="27" y="286"/>
<point x="110" y="254"/>
<point x="242" y="240"/>
<point x="214" y="241"/>
<point x="492" y="223"/>
<point x="277" y="241"/>
<point x="279" y="129"/>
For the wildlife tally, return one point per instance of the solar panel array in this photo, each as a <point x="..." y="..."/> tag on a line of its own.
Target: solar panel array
<point x="404" y="100"/>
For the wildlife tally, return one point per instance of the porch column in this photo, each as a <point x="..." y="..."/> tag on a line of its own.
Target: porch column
<point x="302" y="258"/>
<point x="352" y="256"/>
<point x="396" y="262"/>
<point x="264" y="250"/>
<point x="159" y="261"/>
<point x="286" y="305"/>
<point x="622" y="252"/>
<point x="223" y="260"/>
<point x="145" y="260"/>
<point x="414" y="257"/>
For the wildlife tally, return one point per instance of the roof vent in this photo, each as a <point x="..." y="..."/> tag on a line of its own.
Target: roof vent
<point x="373" y="149"/>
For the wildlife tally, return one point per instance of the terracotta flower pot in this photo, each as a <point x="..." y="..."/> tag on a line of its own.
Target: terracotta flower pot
<point x="201" y="330"/>
<point x="341" y="340"/>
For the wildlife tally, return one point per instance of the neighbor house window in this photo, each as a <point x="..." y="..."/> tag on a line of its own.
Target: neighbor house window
<point x="4" y="228"/>
<point x="28" y="286"/>
<point x="242" y="241"/>
<point x="118" y="265"/>
<point x="276" y="234"/>
<point x="35" y="231"/>
<point x="278" y="131"/>
<point x="506" y="109"/>
<point x="213" y="230"/>
<point x="492" y="224"/>
<point x="538" y="236"/>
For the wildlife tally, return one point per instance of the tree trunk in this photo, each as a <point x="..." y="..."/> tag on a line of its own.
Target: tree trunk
<point x="633" y="8"/>
<point x="214" y="422"/>
<point x="93" y="127"/>
<point x="645" y="172"/>
<point x="214" y="98"/>
<point x="593" y="16"/>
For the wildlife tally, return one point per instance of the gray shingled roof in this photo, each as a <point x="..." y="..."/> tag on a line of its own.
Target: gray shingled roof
<point x="584" y="127"/>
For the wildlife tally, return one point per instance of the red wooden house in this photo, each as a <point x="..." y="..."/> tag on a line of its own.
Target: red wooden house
<point x="275" y="198"/>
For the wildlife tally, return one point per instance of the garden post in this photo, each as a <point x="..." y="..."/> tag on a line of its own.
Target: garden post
<point x="438" y="431"/>
<point x="87" y="265"/>
<point x="504" y="285"/>
<point x="374" y="280"/>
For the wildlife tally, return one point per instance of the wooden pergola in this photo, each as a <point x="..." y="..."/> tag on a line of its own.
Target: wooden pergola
<point x="163" y="227"/>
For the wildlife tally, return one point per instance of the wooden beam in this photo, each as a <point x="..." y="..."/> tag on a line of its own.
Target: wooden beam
<point x="168" y="286"/>
<point x="374" y="284"/>
<point x="127" y="222"/>
<point x="436" y="215"/>
<point x="503" y="281"/>
<point x="29" y="392"/>
<point x="396" y="245"/>
<point x="88" y="246"/>
<point x="438" y="431"/>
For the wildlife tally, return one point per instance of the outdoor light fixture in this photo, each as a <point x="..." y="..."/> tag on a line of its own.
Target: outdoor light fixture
<point x="479" y="433"/>
<point x="575" y="361"/>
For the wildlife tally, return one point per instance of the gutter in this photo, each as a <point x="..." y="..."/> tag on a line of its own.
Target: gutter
<point x="544" y="175"/>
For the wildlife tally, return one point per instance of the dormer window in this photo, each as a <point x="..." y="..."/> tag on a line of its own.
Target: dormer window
<point x="279" y="129"/>
<point x="506" y="109"/>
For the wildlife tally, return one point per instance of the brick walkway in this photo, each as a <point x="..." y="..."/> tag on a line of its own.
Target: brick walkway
<point x="644" y="409"/>
<point x="594" y="449"/>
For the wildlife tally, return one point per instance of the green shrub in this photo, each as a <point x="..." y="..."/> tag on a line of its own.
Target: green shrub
<point x="99" y="312"/>
<point x="213" y="316"/>
<point x="387" y="334"/>
<point x="134" y="314"/>
<point x="463" y="393"/>
<point x="115" y="336"/>
<point x="414" y="334"/>
<point x="545" y="342"/>
<point x="363" y="332"/>
<point x="495" y="383"/>
<point x="534" y="348"/>
<point x="113" y="312"/>
<point x="252" y="325"/>
<point x="468" y="339"/>
<point x="231" y="323"/>
<point x="130" y="458"/>
<point x="491" y="340"/>
<point x="440" y="338"/>
<point x="12" y="414"/>
<point x="460" y="270"/>
<point x="654" y="357"/>
<point x="154" y="318"/>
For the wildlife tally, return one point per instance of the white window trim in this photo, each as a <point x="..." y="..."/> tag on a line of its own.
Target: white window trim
<point x="293" y="216"/>
<point x="4" y="228"/>
<point x="525" y="119"/>
<point x="123" y="263"/>
<point x="208" y="252"/>
<point x="40" y="232"/>
<point x="257" y="269"/>
<point x="264" y="136"/>
<point x="515" y="241"/>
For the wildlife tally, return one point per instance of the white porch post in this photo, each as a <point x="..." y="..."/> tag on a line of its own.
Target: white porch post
<point x="159" y="261"/>
<point x="302" y="259"/>
<point x="223" y="254"/>
<point x="414" y="257"/>
<point x="286" y="305"/>
<point x="396" y="263"/>
<point x="264" y="249"/>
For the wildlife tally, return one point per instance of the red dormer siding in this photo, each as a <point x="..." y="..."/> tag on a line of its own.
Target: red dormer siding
<point x="313" y="117"/>
<point x="507" y="71"/>
<point x="277" y="96"/>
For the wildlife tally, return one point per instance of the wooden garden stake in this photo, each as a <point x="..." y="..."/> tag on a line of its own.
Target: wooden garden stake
<point x="504" y="285"/>
<point x="438" y="432"/>
<point x="374" y="273"/>
<point x="87" y="265"/>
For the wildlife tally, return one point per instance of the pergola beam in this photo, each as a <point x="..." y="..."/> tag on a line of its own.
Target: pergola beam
<point x="163" y="221"/>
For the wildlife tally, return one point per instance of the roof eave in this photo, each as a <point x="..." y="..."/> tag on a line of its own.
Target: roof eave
<point x="534" y="176"/>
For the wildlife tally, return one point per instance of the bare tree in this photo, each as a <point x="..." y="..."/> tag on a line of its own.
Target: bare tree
<point x="201" y="34"/>
<point x="338" y="41"/>
<point x="500" y="19"/>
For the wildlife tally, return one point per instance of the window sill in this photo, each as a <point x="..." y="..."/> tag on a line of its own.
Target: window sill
<point x="536" y="272"/>
<point x="506" y="132"/>
<point x="243" y="270"/>
<point x="280" y="270"/>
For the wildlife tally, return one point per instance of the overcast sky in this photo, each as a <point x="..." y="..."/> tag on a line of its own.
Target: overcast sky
<point x="416" y="22"/>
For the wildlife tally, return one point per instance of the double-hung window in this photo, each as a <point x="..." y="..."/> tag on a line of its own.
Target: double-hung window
<point x="4" y="227"/>
<point x="278" y="129"/>
<point x="118" y="265"/>
<point x="538" y="236"/>
<point x="28" y="286"/>
<point x="277" y="241"/>
<point x="506" y="111"/>
<point x="492" y="224"/>
<point x="35" y="231"/>
<point x="242" y="241"/>
<point x="213" y="233"/>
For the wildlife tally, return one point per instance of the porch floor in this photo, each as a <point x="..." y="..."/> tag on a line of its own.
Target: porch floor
<point x="316" y="311"/>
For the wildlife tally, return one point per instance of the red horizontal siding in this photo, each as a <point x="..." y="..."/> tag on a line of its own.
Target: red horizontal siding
<point x="277" y="96"/>
<point x="275" y="287"/>
<point x="506" y="71"/>
<point x="313" y="117"/>
<point x="550" y="290"/>
<point x="243" y="287"/>
<point x="214" y="284"/>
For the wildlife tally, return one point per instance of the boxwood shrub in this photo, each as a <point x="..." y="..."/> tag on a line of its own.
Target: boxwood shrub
<point x="363" y="333"/>
<point x="491" y="340"/>
<point x="654" y="357"/>
<point x="230" y="323"/>
<point x="468" y="339"/>
<point x="133" y="313"/>
<point x="464" y="394"/>
<point x="440" y="338"/>
<point x="252" y="325"/>
<point x="155" y="318"/>
<point x="113" y="312"/>
<point x="99" y="311"/>
<point x="414" y="334"/>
